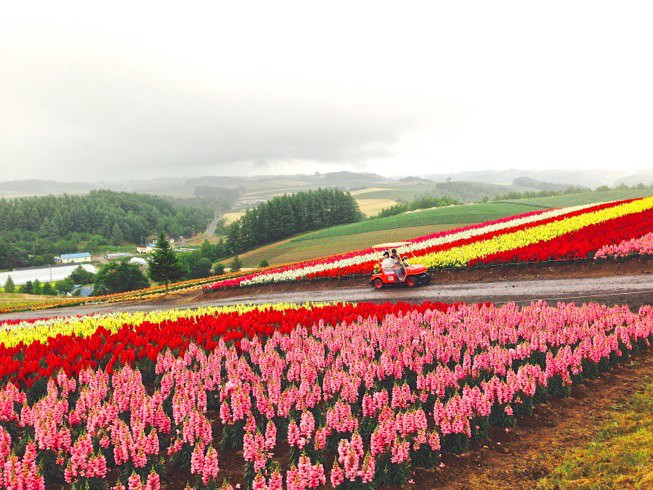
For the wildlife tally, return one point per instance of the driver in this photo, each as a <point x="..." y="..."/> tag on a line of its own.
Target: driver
<point x="398" y="265"/>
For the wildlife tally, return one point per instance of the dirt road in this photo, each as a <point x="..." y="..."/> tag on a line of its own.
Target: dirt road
<point x="633" y="290"/>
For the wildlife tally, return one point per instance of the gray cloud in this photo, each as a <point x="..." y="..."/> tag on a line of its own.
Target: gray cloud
<point x="140" y="89"/>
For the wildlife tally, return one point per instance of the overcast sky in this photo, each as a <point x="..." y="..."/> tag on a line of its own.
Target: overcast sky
<point x="135" y="90"/>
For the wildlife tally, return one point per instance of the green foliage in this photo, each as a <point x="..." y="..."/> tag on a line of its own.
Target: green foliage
<point x="195" y="265"/>
<point x="164" y="265"/>
<point x="48" y="289"/>
<point x="236" y="264"/>
<point x="81" y="276"/>
<point x="10" y="287"/>
<point x="118" y="276"/>
<point x="287" y="215"/>
<point x="66" y="286"/>
<point x="34" y="229"/>
<point x="26" y="288"/>
<point x="218" y="270"/>
<point x="263" y="263"/>
<point x="208" y="251"/>
<point x="36" y="287"/>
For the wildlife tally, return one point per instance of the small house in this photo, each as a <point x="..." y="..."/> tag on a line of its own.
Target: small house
<point x="76" y="258"/>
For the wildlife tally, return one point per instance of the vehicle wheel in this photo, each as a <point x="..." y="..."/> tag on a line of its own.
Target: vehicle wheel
<point x="411" y="282"/>
<point x="378" y="284"/>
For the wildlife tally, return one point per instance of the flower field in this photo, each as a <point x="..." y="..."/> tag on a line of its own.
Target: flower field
<point x="640" y="246"/>
<point x="286" y="396"/>
<point x="568" y="233"/>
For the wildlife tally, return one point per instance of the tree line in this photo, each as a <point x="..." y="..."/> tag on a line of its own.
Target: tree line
<point x="287" y="215"/>
<point x="35" y="229"/>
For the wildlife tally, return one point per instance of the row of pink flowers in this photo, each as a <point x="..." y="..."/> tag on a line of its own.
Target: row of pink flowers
<point x="642" y="245"/>
<point x="359" y="403"/>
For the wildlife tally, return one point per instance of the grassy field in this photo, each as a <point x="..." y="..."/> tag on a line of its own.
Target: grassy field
<point x="621" y="454"/>
<point x="583" y="198"/>
<point x="15" y="299"/>
<point x="293" y="250"/>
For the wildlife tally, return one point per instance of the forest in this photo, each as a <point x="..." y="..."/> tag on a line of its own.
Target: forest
<point x="287" y="215"/>
<point x="34" y="229"/>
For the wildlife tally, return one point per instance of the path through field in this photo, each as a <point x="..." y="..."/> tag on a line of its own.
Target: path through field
<point x="633" y="290"/>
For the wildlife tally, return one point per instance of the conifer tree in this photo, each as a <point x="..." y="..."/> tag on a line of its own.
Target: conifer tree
<point x="10" y="287"/>
<point x="164" y="265"/>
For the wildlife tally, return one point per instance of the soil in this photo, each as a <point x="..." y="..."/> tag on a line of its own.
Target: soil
<point x="519" y="457"/>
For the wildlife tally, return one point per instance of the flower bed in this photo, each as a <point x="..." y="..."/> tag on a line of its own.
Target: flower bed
<point x="543" y="235"/>
<point x="635" y="246"/>
<point x="352" y="396"/>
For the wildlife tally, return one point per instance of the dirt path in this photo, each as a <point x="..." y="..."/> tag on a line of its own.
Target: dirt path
<point x="530" y="451"/>
<point x="633" y="290"/>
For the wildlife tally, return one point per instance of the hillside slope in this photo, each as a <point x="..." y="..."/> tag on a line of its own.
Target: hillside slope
<point x="354" y="236"/>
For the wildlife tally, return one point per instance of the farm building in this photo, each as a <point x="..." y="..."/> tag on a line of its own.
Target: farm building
<point x="76" y="258"/>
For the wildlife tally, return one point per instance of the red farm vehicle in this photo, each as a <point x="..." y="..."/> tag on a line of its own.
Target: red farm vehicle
<point x="402" y="273"/>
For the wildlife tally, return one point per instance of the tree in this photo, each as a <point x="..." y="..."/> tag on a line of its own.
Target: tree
<point x="164" y="265"/>
<point x="208" y="251"/>
<point x="26" y="288"/>
<point x="218" y="270"/>
<point x="118" y="276"/>
<point x="196" y="265"/>
<point x="81" y="276"/>
<point x="66" y="286"/>
<point x="10" y="287"/>
<point x="48" y="290"/>
<point x="117" y="235"/>
<point x="36" y="287"/>
<point x="236" y="264"/>
<point x="263" y="263"/>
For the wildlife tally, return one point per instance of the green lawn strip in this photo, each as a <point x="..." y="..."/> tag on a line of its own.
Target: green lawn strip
<point x="621" y="454"/>
<point x="292" y="251"/>
<point x="583" y="198"/>
<point x="463" y="214"/>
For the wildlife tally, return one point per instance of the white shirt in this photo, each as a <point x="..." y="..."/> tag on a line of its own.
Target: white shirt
<point x="388" y="263"/>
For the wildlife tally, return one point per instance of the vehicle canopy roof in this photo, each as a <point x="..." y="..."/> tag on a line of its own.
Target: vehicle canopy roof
<point x="390" y="245"/>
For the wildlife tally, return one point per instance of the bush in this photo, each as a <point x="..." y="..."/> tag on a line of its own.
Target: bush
<point x="263" y="263"/>
<point x="218" y="270"/>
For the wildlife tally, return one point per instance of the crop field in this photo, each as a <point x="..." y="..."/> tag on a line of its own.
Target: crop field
<point x="289" y="396"/>
<point x="372" y="207"/>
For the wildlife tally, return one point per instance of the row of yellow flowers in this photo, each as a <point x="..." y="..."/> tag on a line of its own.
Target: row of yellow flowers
<point x="27" y="332"/>
<point x="462" y="255"/>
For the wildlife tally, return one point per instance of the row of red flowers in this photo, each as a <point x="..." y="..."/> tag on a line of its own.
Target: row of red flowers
<point x="28" y="364"/>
